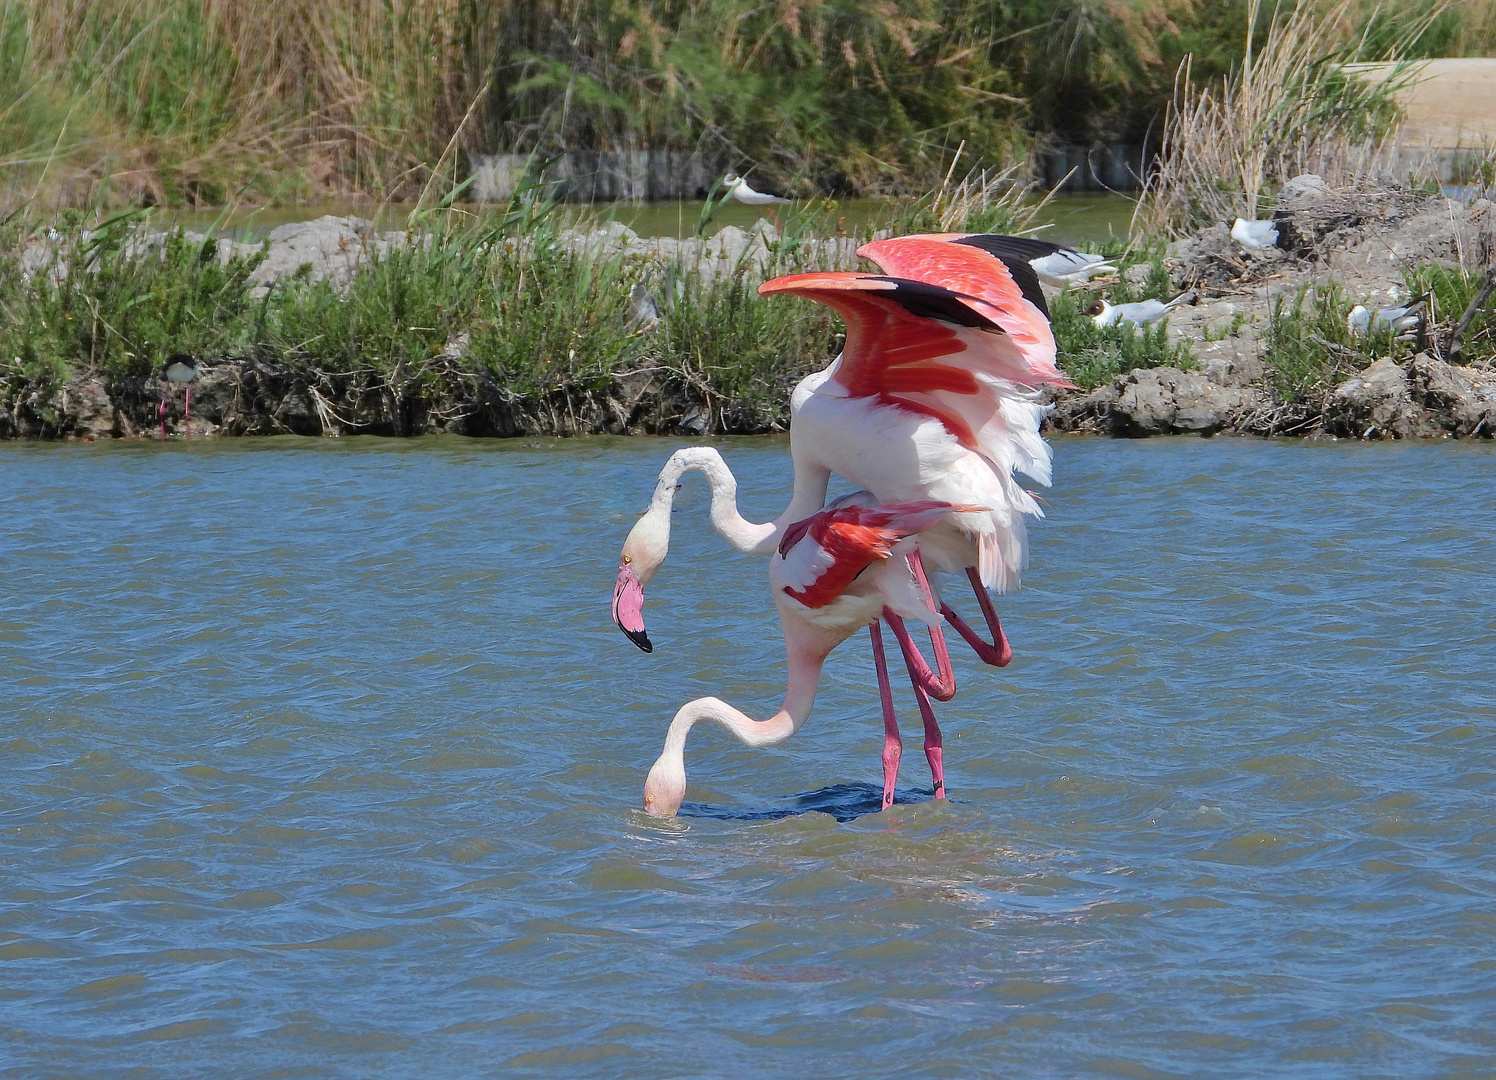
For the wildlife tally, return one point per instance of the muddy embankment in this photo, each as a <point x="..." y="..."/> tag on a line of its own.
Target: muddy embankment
<point x="263" y="391"/>
<point x="1362" y="240"/>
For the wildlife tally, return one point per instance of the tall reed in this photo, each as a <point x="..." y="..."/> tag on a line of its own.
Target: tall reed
<point x="1289" y="107"/>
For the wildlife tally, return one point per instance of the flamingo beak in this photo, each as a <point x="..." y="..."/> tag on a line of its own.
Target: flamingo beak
<point x="628" y="607"/>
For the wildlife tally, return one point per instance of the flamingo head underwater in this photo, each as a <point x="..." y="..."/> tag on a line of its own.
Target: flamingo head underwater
<point x="643" y="552"/>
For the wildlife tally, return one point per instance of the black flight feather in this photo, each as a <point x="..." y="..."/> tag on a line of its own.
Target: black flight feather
<point x="1015" y="252"/>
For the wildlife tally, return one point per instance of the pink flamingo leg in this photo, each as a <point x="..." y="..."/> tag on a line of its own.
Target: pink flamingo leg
<point x="187" y="411"/>
<point x="934" y="747"/>
<point x="998" y="653"/>
<point x="161" y="413"/>
<point x="943" y="686"/>
<point x="893" y="745"/>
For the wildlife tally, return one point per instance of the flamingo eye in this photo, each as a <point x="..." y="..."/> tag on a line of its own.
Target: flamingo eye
<point x="627" y="559"/>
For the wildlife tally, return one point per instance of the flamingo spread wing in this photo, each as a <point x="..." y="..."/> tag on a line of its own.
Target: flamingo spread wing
<point x="993" y="275"/>
<point x="949" y="333"/>
<point x="824" y="553"/>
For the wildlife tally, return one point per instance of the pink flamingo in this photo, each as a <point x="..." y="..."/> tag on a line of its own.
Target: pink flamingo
<point x="933" y="399"/>
<point x="833" y="574"/>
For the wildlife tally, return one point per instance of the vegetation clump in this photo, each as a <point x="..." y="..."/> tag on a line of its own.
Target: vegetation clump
<point x="178" y="101"/>
<point x="1095" y="355"/>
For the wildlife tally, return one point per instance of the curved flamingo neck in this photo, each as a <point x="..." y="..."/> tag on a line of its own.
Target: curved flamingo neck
<point x="800" y="696"/>
<point x="665" y="788"/>
<point x="744" y="535"/>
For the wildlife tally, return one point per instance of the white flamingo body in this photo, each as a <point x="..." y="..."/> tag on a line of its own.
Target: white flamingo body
<point x="932" y="402"/>
<point x="901" y="456"/>
<point x="881" y="580"/>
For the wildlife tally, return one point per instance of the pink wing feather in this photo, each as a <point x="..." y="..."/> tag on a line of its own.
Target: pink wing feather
<point x="851" y="538"/>
<point x="961" y="375"/>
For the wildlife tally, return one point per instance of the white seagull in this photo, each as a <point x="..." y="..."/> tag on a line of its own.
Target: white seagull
<point x="1140" y="314"/>
<point x="1067" y="267"/>
<point x="1402" y="319"/>
<point x="1255" y="234"/>
<point x="738" y="188"/>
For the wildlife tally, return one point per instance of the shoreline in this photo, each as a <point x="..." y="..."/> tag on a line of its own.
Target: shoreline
<point x="453" y="352"/>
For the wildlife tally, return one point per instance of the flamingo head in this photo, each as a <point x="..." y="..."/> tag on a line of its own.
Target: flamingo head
<point x="643" y="552"/>
<point x="665" y="788"/>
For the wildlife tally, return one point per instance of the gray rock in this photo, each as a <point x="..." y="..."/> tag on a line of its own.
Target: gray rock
<point x="1447" y="396"/>
<point x="1306" y="189"/>
<point x="88" y="410"/>
<point x="1166" y="401"/>
<point x="1376" y="403"/>
<point x="1232" y="363"/>
<point x="695" y="422"/>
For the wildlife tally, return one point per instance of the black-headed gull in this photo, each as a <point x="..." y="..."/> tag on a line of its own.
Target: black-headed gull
<point x="1070" y="267"/>
<point x="1140" y="314"/>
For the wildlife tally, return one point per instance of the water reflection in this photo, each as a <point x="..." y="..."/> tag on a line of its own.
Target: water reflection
<point x="1066" y="218"/>
<point x="844" y="802"/>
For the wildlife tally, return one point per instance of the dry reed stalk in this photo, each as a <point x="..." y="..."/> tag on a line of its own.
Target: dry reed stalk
<point x="1288" y="108"/>
<point x="188" y="95"/>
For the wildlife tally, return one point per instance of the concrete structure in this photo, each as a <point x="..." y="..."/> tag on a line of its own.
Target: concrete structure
<point x="1449" y="115"/>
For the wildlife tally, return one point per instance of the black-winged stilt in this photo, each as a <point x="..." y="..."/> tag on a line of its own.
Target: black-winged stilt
<point x="179" y="370"/>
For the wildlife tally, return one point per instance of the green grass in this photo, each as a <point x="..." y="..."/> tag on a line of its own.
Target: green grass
<point x="109" y="302"/>
<point x="505" y="308"/>
<point x="1310" y="347"/>
<point x="182" y="102"/>
<point x="1452" y="290"/>
<point x="1095" y="355"/>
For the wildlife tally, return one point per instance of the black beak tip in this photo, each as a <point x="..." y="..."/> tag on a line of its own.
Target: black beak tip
<point x="639" y="638"/>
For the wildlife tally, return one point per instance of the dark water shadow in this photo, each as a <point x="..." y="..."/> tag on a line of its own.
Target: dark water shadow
<point x="845" y="802"/>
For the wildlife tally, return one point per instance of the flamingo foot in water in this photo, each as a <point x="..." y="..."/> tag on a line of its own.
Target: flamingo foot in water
<point x="893" y="744"/>
<point x="933" y="743"/>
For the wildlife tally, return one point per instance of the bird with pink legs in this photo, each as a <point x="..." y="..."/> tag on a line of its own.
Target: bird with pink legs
<point x="179" y="370"/>
<point x="933" y="401"/>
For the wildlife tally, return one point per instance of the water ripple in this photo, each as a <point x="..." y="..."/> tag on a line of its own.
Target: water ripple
<point x="324" y="758"/>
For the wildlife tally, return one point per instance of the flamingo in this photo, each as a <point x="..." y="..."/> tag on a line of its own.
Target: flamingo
<point x="832" y="574"/>
<point x="934" y="399"/>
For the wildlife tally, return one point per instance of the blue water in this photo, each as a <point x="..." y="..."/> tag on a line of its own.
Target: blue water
<point x="321" y="759"/>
